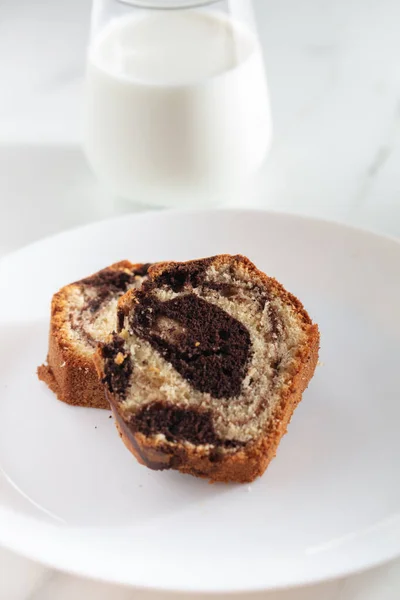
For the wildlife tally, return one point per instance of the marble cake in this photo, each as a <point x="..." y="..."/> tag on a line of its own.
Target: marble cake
<point x="209" y="362"/>
<point x="82" y="314"/>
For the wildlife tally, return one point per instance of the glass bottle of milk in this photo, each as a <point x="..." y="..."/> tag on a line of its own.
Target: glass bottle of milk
<point x="176" y="100"/>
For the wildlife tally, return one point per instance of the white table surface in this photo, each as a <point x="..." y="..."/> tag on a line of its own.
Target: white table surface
<point x="333" y="69"/>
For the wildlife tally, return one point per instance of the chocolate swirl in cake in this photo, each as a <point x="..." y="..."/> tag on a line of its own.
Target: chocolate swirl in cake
<point x="100" y="293"/>
<point x="108" y="283"/>
<point x="178" y="424"/>
<point x="208" y="347"/>
<point x="181" y="275"/>
<point x="118" y="366"/>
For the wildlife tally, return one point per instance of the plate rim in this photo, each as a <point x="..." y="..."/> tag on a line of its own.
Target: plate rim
<point x="334" y="223"/>
<point x="306" y="581"/>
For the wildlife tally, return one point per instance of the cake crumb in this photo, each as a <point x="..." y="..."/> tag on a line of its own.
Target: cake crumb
<point x="320" y="363"/>
<point x="119" y="359"/>
<point x="197" y="344"/>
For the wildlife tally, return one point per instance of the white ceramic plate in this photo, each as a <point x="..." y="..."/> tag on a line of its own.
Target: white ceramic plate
<point x="73" y="497"/>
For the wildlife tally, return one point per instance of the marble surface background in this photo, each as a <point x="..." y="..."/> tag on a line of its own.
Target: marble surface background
<point x="334" y="76"/>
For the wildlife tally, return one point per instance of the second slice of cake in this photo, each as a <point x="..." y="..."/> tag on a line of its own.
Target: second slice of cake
<point x="82" y="314"/>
